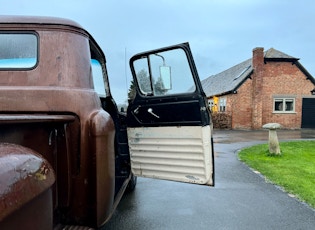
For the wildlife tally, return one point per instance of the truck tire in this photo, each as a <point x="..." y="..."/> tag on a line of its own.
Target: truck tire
<point x="132" y="184"/>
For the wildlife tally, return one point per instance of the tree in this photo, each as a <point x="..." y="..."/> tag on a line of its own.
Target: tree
<point x="159" y="88"/>
<point x="132" y="90"/>
<point x="144" y="84"/>
<point x="144" y="81"/>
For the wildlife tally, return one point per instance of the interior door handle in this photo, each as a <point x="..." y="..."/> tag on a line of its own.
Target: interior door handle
<point x="150" y="110"/>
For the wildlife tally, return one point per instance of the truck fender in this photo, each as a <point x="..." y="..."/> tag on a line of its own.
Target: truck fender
<point x="24" y="177"/>
<point x="102" y="132"/>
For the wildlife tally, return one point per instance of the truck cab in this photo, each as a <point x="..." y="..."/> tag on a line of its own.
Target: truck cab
<point x="67" y="154"/>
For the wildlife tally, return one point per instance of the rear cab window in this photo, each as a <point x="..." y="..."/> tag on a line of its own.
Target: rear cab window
<point x="18" y="50"/>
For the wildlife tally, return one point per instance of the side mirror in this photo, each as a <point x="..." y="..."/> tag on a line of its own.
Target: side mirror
<point x="165" y="74"/>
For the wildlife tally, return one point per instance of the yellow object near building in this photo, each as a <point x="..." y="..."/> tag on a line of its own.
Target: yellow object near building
<point x="215" y="104"/>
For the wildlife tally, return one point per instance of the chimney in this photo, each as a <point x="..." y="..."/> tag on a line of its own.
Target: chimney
<point x="258" y="67"/>
<point x="258" y="58"/>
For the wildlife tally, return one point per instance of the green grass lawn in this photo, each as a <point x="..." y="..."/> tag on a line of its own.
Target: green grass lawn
<point x="293" y="170"/>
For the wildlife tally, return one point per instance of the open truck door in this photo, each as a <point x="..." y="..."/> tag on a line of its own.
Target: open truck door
<point x="169" y="125"/>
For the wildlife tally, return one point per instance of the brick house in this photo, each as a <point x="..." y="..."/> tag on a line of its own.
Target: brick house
<point x="270" y="87"/>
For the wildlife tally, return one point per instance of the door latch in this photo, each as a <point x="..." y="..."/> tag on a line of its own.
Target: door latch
<point x="150" y="110"/>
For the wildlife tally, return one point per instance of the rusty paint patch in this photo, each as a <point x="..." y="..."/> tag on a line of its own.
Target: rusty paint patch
<point x="24" y="174"/>
<point x="42" y="172"/>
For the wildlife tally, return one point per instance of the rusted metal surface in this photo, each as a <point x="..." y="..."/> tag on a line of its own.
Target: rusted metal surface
<point x="24" y="175"/>
<point x="29" y="20"/>
<point x="31" y="118"/>
<point x="51" y="108"/>
<point x="36" y="214"/>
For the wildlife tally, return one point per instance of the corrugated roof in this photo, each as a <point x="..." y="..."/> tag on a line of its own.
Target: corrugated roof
<point x="230" y="79"/>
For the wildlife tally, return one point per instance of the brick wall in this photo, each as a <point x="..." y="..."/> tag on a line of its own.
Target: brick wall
<point x="284" y="79"/>
<point x="252" y="106"/>
<point x="239" y="106"/>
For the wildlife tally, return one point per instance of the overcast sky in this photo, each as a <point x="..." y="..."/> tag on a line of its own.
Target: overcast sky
<point x="221" y="33"/>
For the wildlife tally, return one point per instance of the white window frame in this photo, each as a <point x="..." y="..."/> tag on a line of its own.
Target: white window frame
<point x="210" y="103"/>
<point x="284" y="101"/>
<point x="222" y="104"/>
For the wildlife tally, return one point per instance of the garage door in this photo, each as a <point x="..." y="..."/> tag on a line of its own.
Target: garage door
<point x="308" y="113"/>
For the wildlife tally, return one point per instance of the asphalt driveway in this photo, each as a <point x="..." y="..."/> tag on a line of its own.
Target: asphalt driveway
<point x="241" y="198"/>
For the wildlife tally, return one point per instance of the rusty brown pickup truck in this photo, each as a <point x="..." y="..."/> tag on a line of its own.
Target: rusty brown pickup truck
<point x="67" y="154"/>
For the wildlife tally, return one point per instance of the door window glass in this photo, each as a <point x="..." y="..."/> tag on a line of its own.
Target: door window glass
<point x="143" y="77"/>
<point x="164" y="73"/>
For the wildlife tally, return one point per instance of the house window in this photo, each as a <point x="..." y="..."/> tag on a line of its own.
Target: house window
<point x="210" y="103"/>
<point x="284" y="105"/>
<point x="222" y="102"/>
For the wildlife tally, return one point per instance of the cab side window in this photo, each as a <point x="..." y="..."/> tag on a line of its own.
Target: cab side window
<point x="98" y="79"/>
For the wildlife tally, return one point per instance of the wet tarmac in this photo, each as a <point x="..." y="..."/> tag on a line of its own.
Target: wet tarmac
<point x="241" y="199"/>
<point x="250" y="136"/>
